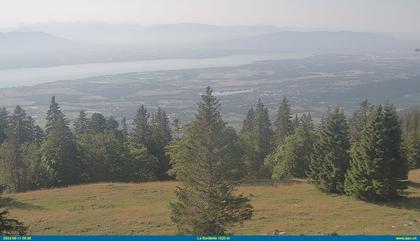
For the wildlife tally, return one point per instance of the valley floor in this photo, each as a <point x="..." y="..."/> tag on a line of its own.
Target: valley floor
<point x="294" y="207"/>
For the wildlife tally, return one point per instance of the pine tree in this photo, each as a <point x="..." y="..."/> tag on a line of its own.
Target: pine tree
<point x="111" y="124"/>
<point x="307" y="122"/>
<point x="81" y="124"/>
<point x="97" y="123"/>
<point x="263" y="141"/>
<point x="54" y="113"/>
<point x="413" y="150"/>
<point x="378" y="171"/>
<point x="330" y="158"/>
<point x="248" y="124"/>
<point x="59" y="155"/>
<point x="283" y="123"/>
<point x="124" y="129"/>
<point x="10" y="226"/>
<point x="141" y="131"/>
<point x="3" y="124"/>
<point x="359" y="120"/>
<point x="38" y="135"/>
<point x="206" y="202"/>
<point x="292" y="157"/>
<point x="161" y="135"/>
<point x="12" y="165"/>
<point x="394" y="150"/>
<point x="21" y="126"/>
<point x="176" y="129"/>
<point x="296" y="122"/>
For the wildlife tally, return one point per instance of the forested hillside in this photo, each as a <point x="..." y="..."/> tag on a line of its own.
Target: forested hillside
<point x="366" y="156"/>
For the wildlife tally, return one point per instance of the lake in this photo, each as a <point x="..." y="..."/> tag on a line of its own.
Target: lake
<point x="33" y="76"/>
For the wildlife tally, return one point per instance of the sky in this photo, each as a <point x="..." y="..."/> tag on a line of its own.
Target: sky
<point x="388" y="16"/>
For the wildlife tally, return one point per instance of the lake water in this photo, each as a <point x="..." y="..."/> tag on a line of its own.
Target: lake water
<point x="33" y="76"/>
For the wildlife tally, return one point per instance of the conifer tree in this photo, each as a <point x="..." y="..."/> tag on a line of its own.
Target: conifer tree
<point x="54" y="113"/>
<point x="307" y="122"/>
<point x="292" y="157"/>
<point x="124" y="129"/>
<point x="9" y="226"/>
<point x="263" y="141"/>
<point x="38" y="135"/>
<point x="81" y="124"/>
<point x="296" y="122"/>
<point x="97" y="123"/>
<point x="111" y="124"/>
<point x="161" y="135"/>
<point x="176" y="129"/>
<point x="248" y="124"/>
<point x="3" y="124"/>
<point x="21" y="126"/>
<point x="330" y="158"/>
<point x="359" y="120"/>
<point x="283" y="124"/>
<point x="394" y="150"/>
<point x="206" y="202"/>
<point x="12" y="166"/>
<point x="141" y="128"/>
<point x="413" y="150"/>
<point x="59" y="155"/>
<point x="378" y="170"/>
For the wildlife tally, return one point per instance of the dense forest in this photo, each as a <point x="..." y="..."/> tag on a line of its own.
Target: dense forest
<point x="366" y="156"/>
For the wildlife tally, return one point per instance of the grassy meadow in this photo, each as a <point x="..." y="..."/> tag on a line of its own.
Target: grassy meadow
<point x="294" y="207"/>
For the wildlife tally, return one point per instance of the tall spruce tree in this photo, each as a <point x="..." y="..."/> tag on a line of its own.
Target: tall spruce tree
<point x="176" y="129"/>
<point x="3" y="124"/>
<point x="394" y="150"/>
<point x="206" y="202"/>
<point x="248" y="124"/>
<point x="412" y="144"/>
<point x="54" y="113"/>
<point x="378" y="169"/>
<point x="263" y="141"/>
<point x="359" y="120"/>
<point x="97" y="123"/>
<point x="330" y="158"/>
<point x="124" y="129"/>
<point x="161" y="135"/>
<point x="59" y="155"/>
<point x="283" y="124"/>
<point x="81" y="124"/>
<point x="141" y="133"/>
<point x="21" y="126"/>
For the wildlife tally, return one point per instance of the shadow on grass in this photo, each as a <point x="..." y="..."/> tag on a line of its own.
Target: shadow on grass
<point x="8" y="202"/>
<point x="407" y="202"/>
<point x="414" y="185"/>
<point x="269" y="182"/>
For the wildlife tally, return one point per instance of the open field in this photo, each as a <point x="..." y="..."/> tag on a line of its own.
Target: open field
<point x="295" y="207"/>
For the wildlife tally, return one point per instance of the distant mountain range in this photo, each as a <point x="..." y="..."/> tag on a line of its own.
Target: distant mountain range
<point x="132" y="34"/>
<point x="61" y="44"/>
<point x="319" y="42"/>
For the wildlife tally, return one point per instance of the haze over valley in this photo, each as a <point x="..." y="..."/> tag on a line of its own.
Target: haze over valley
<point x="210" y="118"/>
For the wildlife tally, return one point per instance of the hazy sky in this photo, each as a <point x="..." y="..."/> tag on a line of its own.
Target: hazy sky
<point x="395" y="16"/>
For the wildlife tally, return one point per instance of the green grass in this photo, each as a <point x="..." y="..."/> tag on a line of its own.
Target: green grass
<point x="295" y="207"/>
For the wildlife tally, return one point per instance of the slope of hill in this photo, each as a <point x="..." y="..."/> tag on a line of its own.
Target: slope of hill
<point x="295" y="207"/>
<point x="33" y="42"/>
<point x="320" y="42"/>
<point x="182" y="33"/>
